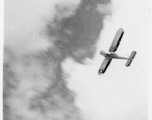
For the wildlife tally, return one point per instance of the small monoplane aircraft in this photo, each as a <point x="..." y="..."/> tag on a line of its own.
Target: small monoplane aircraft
<point x="112" y="49"/>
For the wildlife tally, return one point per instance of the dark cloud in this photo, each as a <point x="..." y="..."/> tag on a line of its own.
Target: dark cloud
<point x="77" y="35"/>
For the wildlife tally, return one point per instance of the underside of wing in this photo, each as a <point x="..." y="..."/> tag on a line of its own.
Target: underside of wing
<point x="116" y="40"/>
<point x="104" y="65"/>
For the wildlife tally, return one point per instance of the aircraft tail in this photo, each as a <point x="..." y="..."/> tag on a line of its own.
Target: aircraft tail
<point x="129" y="61"/>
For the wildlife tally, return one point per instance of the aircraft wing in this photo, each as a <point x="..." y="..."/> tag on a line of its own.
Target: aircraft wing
<point x="104" y="65"/>
<point x="116" y="40"/>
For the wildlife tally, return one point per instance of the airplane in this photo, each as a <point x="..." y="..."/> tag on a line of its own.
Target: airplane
<point x="112" y="55"/>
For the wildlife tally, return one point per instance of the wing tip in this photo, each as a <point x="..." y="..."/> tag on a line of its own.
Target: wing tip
<point x="100" y="72"/>
<point x="121" y="30"/>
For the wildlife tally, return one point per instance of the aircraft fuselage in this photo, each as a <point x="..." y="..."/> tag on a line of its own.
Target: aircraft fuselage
<point x="112" y="55"/>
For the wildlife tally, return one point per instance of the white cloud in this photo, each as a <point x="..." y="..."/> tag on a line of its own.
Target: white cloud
<point x="104" y="9"/>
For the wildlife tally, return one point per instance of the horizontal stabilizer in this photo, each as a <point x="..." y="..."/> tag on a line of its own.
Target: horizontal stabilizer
<point x="128" y="63"/>
<point x="131" y="58"/>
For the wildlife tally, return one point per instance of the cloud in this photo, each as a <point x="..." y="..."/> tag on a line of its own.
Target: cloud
<point x="104" y="9"/>
<point x="32" y="87"/>
<point x="26" y="22"/>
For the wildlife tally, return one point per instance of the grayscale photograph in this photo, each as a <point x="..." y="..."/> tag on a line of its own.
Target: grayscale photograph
<point x="75" y="60"/>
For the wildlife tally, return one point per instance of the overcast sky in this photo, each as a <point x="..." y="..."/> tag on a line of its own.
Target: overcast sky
<point x="121" y="93"/>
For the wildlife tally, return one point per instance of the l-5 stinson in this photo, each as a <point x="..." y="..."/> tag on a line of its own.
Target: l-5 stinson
<point x="112" y="55"/>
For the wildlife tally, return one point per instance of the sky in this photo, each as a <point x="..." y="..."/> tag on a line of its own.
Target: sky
<point x="121" y="92"/>
<point x="51" y="53"/>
